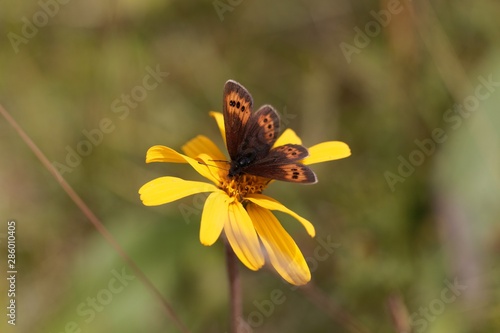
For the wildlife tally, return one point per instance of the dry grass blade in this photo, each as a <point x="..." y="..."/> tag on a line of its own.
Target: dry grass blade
<point x="169" y="311"/>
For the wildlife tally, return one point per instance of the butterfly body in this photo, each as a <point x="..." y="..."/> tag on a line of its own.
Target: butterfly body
<point x="238" y="166"/>
<point x="250" y="137"/>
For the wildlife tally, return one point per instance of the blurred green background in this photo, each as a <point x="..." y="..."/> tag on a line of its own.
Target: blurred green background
<point x="376" y="75"/>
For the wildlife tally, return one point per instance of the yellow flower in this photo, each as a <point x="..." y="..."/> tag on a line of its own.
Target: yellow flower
<point x="237" y="205"/>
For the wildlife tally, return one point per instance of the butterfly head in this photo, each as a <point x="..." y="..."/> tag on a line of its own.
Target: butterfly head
<point x="238" y="165"/>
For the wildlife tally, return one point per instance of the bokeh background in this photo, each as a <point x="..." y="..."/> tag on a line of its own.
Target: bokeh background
<point x="412" y="248"/>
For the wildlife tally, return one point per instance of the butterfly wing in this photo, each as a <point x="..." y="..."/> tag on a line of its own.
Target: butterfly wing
<point x="250" y="136"/>
<point x="261" y="132"/>
<point x="282" y="164"/>
<point x="237" y="108"/>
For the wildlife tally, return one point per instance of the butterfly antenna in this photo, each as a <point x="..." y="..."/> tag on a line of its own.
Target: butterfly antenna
<point x="223" y="161"/>
<point x="215" y="166"/>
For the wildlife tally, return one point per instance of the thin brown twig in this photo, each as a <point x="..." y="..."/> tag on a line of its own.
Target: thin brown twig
<point x="399" y="313"/>
<point x="169" y="311"/>
<point x="236" y="302"/>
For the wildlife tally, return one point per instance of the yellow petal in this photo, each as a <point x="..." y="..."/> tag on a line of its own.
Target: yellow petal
<point x="213" y="218"/>
<point x="269" y="203"/>
<point x="288" y="136"/>
<point x="202" y="145"/>
<point x="242" y="236"/>
<point x="219" y="118"/>
<point x="284" y="254"/>
<point x="327" y="151"/>
<point x="167" y="189"/>
<point x="217" y="168"/>
<point x="163" y="154"/>
<point x="166" y="154"/>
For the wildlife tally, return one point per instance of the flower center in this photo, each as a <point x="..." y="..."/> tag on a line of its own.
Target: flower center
<point x="239" y="186"/>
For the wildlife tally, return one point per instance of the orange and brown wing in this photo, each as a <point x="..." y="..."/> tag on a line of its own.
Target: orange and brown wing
<point x="294" y="173"/>
<point x="261" y="132"/>
<point x="237" y="108"/>
<point x="282" y="164"/>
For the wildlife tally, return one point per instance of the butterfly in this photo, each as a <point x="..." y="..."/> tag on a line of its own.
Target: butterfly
<point x="250" y="137"/>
